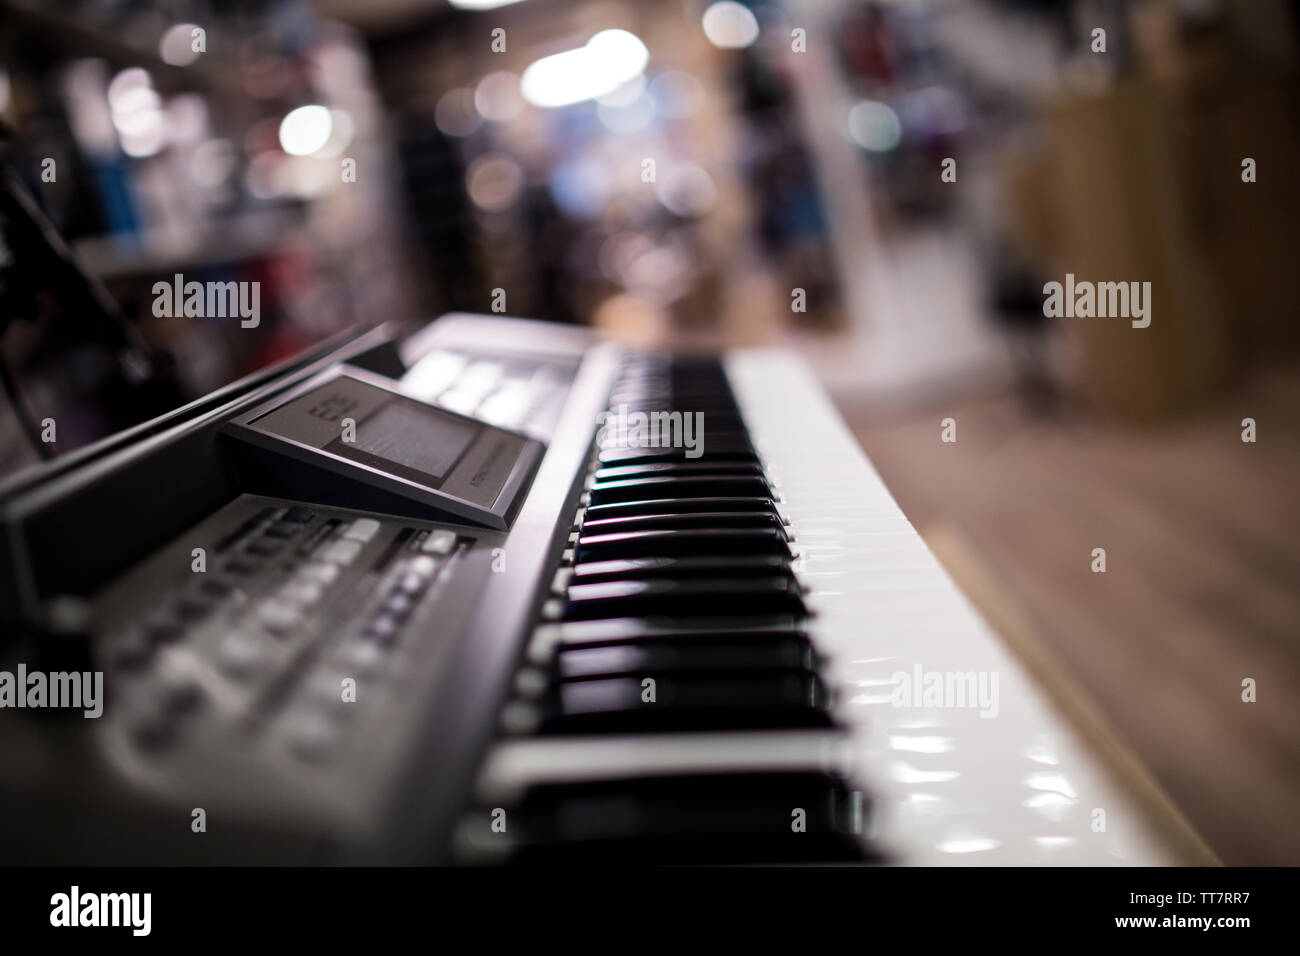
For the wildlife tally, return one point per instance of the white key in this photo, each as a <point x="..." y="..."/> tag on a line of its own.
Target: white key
<point x="948" y="785"/>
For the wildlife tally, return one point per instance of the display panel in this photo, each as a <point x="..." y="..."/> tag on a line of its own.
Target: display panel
<point x="408" y="435"/>
<point x="355" y="425"/>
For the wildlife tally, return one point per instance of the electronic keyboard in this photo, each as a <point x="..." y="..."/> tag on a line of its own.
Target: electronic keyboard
<point x="722" y="646"/>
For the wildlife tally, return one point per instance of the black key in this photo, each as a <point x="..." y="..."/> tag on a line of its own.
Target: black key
<point x="630" y="569"/>
<point x="617" y="630"/>
<point x="694" y="818"/>
<point x="697" y="597"/>
<point x="713" y="452"/>
<point x="719" y="421"/>
<point x="687" y="543"/>
<point x="636" y="658"/>
<point x="733" y="443"/>
<point x="636" y="489"/>
<point x="687" y="703"/>
<point x="771" y="627"/>
<point x="241" y="567"/>
<point x="299" y="515"/>
<point x="699" y="519"/>
<point x="720" y="427"/>
<point x="679" y="468"/>
<point x="659" y="506"/>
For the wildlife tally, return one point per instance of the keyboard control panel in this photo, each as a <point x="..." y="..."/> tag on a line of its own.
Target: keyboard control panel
<point x="279" y="642"/>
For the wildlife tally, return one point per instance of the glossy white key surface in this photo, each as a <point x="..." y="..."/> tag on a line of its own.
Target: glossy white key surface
<point x="948" y="785"/>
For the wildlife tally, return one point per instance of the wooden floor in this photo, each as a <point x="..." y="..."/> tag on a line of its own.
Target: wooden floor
<point x="1202" y="587"/>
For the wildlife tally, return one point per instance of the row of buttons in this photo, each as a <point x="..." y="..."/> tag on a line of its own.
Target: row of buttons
<point x="283" y="612"/>
<point x="247" y="652"/>
<point x="258" y="641"/>
<point x="315" y="725"/>
<point x="206" y="596"/>
<point x="174" y="695"/>
<point x="503" y="394"/>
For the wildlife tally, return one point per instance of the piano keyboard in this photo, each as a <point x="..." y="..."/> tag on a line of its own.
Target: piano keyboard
<point x="713" y="675"/>
<point x="732" y="648"/>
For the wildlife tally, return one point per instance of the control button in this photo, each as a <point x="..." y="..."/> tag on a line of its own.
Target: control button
<point x="312" y="735"/>
<point x="302" y="593"/>
<point x="180" y="696"/>
<point x="342" y="552"/>
<point x="518" y="717"/>
<point x="279" y="617"/>
<point x="530" y="682"/>
<point x="299" y="515"/>
<point x="318" y="571"/>
<point x="162" y="631"/>
<point x="242" y="654"/>
<point x="134" y="654"/>
<point x="382" y="630"/>
<point x="193" y="607"/>
<point x="262" y="547"/>
<point x="216" y="586"/>
<point x="423" y="565"/>
<point x="361" y="657"/>
<point x="153" y="732"/>
<point x="410" y="583"/>
<point x="326" y="689"/>
<point x="398" y="605"/>
<point x="439" y="542"/>
<point x="363" y="529"/>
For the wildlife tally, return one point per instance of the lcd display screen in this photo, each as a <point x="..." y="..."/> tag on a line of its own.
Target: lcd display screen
<point x="348" y="423"/>
<point x="416" y="437"/>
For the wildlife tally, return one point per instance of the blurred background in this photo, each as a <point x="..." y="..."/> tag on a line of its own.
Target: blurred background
<point x="882" y="186"/>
